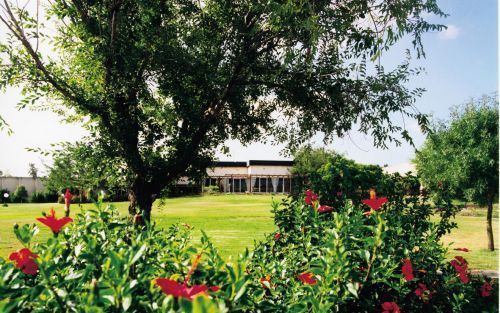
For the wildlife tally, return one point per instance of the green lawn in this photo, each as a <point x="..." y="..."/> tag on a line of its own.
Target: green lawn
<point x="234" y="221"/>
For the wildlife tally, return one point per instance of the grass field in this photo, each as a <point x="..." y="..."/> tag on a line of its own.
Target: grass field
<point x="233" y="222"/>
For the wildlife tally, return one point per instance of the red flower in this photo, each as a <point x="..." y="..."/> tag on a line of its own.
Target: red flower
<point x="461" y="266"/>
<point x="462" y="249"/>
<point x="307" y="278"/>
<point x="464" y="277"/>
<point x="277" y="236"/>
<point x="339" y="194"/>
<point x="486" y="289"/>
<point x="407" y="270"/>
<point x="310" y="197"/>
<point x="178" y="290"/>
<point x="422" y="292"/>
<point x="324" y="209"/>
<point x="172" y="287"/>
<point x="54" y="223"/>
<point x="68" y="196"/>
<point x="24" y="259"/>
<point x="390" y="307"/>
<point x="375" y="203"/>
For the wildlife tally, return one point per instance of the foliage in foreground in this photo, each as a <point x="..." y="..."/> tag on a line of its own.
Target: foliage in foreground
<point x="322" y="259"/>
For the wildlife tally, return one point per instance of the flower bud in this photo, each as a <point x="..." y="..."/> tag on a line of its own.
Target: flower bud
<point x="137" y="219"/>
<point x="94" y="286"/>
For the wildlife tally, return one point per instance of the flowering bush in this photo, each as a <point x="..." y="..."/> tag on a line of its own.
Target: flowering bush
<point x="377" y="255"/>
<point x="102" y="263"/>
<point x="381" y="255"/>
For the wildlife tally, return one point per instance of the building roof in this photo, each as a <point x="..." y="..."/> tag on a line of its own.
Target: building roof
<point x="270" y="162"/>
<point x="230" y="164"/>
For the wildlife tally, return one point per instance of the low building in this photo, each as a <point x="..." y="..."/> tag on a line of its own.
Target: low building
<point x="256" y="176"/>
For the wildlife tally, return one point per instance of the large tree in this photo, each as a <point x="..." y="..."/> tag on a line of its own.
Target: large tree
<point x="164" y="83"/>
<point x="461" y="155"/>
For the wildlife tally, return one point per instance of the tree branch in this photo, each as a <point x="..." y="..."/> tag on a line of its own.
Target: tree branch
<point x="17" y="30"/>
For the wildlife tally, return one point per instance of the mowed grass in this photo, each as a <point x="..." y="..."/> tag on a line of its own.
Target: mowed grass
<point x="234" y="222"/>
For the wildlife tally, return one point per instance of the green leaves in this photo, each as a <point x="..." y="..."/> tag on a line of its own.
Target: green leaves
<point x="160" y="85"/>
<point x="102" y="263"/>
<point x="25" y="233"/>
<point x="460" y="158"/>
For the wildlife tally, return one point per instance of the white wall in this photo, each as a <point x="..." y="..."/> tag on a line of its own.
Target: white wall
<point x="268" y="170"/>
<point x="11" y="183"/>
<point x="223" y="171"/>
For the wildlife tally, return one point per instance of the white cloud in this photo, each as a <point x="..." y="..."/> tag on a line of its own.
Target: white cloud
<point x="449" y="33"/>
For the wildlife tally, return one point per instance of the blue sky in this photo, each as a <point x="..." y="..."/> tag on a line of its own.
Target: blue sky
<point x="461" y="63"/>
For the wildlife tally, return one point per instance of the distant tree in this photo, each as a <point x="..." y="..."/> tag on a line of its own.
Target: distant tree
<point x="308" y="160"/>
<point x="83" y="167"/>
<point x="32" y="170"/>
<point x="20" y="194"/>
<point x="164" y="83"/>
<point x="461" y="155"/>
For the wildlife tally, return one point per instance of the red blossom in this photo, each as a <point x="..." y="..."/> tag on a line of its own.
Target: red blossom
<point x="390" y="307"/>
<point x="375" y="204"/>
<point x="464" y="277"/>
<point x="325" y="209"/>
<point x="310" y="197"/>
<point x="68" y="196"/>
<point x="277" y="236"/>
<point x="407" y="270"/>
<point x="486" y="289"/>
<point x="55" y="224"/>
<point x="307" y="278"/>
<point x="462" y="249"/>
<point x="178" y="290"/>
<point x="461" y="266"/>
<point x="423" y="292"/>
<point x="25" y="261"/>
<point x="339" y="194"/>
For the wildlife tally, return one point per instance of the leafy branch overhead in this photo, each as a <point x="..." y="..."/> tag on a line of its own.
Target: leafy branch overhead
<point x="165" y="83"/>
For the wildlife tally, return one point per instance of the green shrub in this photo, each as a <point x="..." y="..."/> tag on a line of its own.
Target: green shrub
<point x="102" y="263"/>
<point x="356" y="258"/>
<point x="211" y="190"/>
<point x="37" y="197"/>
<point x="20" y="195"/>
<point x="44" y="197"/>
<point x="349" y="259"/>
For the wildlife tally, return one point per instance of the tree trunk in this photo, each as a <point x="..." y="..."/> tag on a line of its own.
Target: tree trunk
<point x="489" y="228"/>
<point x="141" y="197"/>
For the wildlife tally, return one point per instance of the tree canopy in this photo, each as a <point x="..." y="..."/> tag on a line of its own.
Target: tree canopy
<point x="309" y="160"/>
<point x="461" y="155"/>
<point x="163" y="84"/>
<point x="85" y="167"/>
